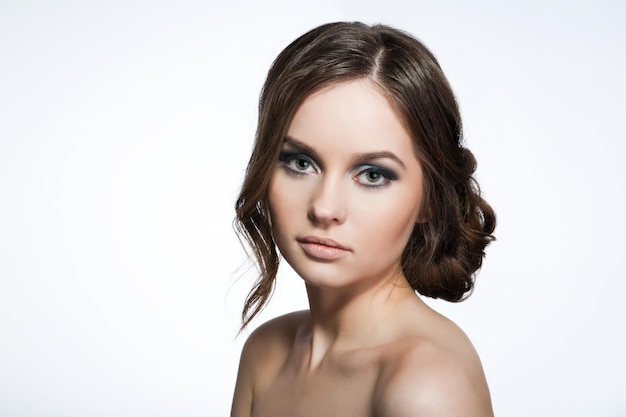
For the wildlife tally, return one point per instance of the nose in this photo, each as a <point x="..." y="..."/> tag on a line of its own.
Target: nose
<point x="328" y="203"/>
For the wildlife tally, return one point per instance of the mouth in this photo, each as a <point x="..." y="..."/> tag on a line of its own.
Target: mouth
<point x="322" y="248"/>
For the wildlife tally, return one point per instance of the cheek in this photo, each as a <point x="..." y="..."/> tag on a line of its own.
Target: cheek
<point x="391" y="222"/>
<point x="283" y="202"/>
<point x="276" y="203"/>
<point x="398" y="227"/>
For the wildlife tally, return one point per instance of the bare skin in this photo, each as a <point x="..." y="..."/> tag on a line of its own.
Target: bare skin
<point x="344" y="199"/>
<point x="422" y="365"/>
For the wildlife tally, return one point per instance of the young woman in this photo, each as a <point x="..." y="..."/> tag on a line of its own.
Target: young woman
<point x="359" y="179"/>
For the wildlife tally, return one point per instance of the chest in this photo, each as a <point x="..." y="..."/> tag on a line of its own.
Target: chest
<point x="340" y="389"/>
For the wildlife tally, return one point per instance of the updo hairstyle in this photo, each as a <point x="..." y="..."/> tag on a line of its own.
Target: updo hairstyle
<point x="447" y="248"/>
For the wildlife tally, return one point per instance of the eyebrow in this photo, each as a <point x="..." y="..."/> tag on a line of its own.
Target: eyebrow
<point x="300" y="146"/>
<point x="358" y="158"/>
<point x="368" y="156"/>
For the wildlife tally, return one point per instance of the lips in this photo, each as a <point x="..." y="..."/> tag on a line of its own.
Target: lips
<point x="322" y="248"/>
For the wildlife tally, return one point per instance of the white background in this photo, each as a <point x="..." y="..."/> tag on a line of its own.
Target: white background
<point x="125" y="127"/>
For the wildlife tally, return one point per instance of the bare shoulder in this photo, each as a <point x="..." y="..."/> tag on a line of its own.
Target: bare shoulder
<point x="433" y="374"/>
<point x="262" y="356"/>
<point x="268" y="345"/>
<point x="277" y="335"/>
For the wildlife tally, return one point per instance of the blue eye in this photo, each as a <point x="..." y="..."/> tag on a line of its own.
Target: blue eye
<point x="298" y="163"/>
<point x="374" y="176"/>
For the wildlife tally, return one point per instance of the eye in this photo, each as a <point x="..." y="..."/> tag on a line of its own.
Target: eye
<point x="374" y="176"/>
<point x="298" y="163"/>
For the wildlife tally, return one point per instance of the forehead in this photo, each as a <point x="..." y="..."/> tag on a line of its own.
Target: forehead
<point x="354" y="114"/>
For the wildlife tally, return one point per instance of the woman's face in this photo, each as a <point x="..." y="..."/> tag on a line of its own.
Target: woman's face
<point x="346" y="191"/>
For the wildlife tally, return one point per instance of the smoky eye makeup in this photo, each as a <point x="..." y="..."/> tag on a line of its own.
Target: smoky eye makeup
<point x="298" y="159"/>
<point x="374" y="176"/>
<point x="297" y="163"/>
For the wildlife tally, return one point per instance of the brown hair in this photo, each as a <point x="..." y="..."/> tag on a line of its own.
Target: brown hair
<point x="444" y="251"/>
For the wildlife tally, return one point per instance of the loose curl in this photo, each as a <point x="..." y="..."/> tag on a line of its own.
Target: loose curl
<point x="446" y="248"/>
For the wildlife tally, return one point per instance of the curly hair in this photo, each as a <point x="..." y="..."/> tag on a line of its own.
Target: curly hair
<point x="443" y="252"/>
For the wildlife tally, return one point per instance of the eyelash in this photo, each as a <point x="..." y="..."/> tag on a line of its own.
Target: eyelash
<point x="383" y="173"/>
<point x="287" y="159"/>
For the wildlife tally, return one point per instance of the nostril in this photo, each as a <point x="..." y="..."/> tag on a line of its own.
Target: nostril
<point x="327" y="205"/>
<point x="326" y="213"/>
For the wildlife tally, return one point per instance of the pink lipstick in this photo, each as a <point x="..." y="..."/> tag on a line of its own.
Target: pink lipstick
<point x="322" y="249"/>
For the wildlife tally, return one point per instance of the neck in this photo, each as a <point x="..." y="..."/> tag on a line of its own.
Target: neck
<point x="351" y="318"/>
